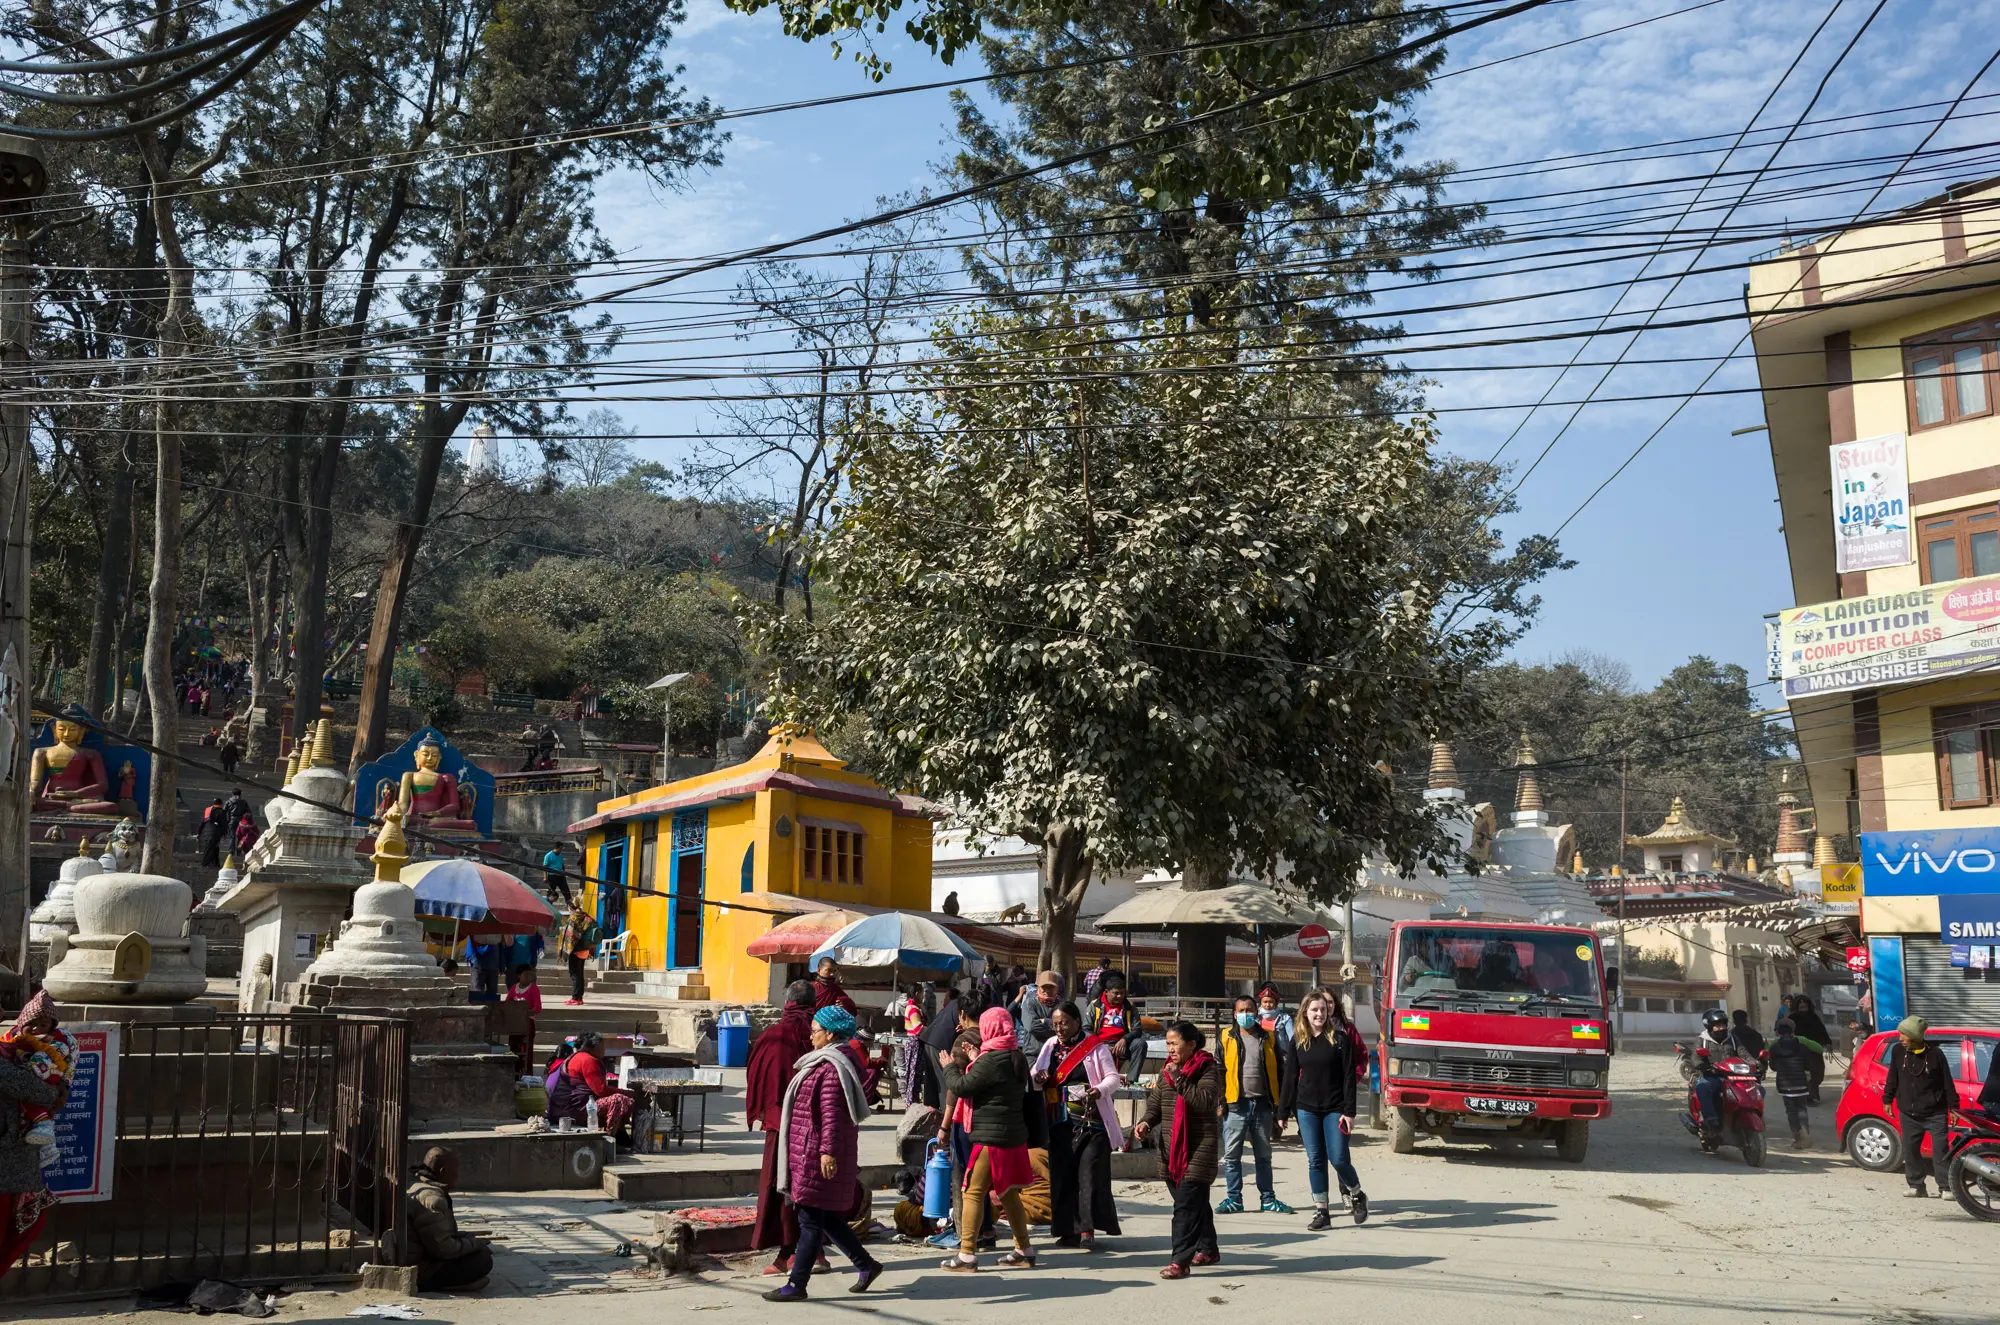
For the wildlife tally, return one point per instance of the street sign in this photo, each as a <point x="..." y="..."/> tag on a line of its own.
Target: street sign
<point x="1315" y="942"/>
<point x="87" y="1127"/>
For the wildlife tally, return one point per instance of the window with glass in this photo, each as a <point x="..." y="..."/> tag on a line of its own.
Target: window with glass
<point x="1967" y="736"/>
<point x="1949" y="375"/>
<point x="1959" y="544"/>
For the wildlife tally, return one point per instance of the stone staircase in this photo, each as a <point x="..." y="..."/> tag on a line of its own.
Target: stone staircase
<point x="672" y="986"/>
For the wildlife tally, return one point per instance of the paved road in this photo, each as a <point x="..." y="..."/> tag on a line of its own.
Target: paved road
<point x="1648" y="1228"/>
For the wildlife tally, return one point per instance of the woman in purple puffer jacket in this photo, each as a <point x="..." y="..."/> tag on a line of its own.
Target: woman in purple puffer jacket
<point x="819" y="1135"/>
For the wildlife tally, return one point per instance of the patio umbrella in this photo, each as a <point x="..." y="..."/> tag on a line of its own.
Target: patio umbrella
<point x="798" y="937"/>
<point x="897" y="938"/>
<point x="466" y="898"/>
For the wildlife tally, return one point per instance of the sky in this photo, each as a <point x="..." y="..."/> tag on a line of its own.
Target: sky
<point x="1680" y="553"/>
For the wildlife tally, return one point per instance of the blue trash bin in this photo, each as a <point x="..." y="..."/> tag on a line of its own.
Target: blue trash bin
<point x="732" y="1039"/>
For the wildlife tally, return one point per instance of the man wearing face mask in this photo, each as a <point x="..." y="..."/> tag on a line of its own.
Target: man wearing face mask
<point x="1253" y="1065"/>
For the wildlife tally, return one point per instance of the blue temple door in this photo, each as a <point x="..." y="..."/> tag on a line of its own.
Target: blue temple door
<point x="684" y="924"/>
<point x="611" y="886"/>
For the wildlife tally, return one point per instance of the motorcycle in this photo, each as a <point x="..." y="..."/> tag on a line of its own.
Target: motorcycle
<point x="1973" y="1169"/>
<point x="1741" y="1104"/>
<point x="1690" y="1066"/>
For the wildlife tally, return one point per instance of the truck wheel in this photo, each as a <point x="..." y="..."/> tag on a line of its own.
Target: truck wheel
<point x="1403" y="1133"/>
<point x="1573" y="1141"/>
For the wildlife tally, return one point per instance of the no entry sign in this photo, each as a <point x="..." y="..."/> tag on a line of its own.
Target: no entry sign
<point x="1315" y="942"/>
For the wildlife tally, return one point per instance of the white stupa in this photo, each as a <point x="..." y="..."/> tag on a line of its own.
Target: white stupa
<point x="482" y="455"/>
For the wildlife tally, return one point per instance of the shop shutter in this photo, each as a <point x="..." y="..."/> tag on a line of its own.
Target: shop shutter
<point x="1947" y="995"/>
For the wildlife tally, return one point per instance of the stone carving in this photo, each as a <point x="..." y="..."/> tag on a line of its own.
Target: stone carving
<point x="129" y="946"/>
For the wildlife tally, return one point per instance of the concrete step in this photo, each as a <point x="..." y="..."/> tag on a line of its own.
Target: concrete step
<point x="633" y="1182"/>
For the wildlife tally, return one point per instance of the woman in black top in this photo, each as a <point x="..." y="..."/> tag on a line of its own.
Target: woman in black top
<point x="1319" y="1090"/>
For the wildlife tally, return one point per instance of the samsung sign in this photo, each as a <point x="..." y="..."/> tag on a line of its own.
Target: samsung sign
<point x="1969" y="918"/>
<point x="1943" y="862"/>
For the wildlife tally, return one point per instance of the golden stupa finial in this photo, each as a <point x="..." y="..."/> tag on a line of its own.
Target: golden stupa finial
<point x="392" y="852"/>
<point x="292" y="764"/>
<point x="322" y="751"/>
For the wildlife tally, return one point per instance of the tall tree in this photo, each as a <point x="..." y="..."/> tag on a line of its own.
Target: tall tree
<point x="508" y="229"/>
<point x="1141" y="604"/>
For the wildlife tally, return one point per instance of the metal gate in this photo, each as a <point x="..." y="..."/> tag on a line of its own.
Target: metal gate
<point x="248" y="1148"/>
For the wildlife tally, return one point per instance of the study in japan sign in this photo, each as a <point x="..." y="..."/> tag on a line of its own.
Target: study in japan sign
<point x="1933" y="630"/>
<point x="1871" y="502"/>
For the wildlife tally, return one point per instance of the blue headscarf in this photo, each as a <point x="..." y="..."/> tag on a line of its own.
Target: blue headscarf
<point x="837" y="1021"/>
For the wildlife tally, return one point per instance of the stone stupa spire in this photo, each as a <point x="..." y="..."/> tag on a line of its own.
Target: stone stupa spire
<point x="1528" y="807"/>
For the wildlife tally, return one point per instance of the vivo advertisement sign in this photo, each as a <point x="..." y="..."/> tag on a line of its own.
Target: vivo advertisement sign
<point x="1941" y="862"/>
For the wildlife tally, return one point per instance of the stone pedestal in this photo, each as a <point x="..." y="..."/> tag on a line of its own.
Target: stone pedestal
<point x="263" y="736"/>
<point x="378" y="967"/>
<point x="300" y="876"/>
<point x="129" y="946"/>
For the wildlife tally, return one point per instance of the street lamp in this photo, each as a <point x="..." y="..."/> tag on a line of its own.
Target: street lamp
<point x="667" y="684"/>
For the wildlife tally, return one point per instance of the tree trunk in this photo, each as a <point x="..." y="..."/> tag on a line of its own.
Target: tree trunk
<point x="1203" y="949"/>
<point x="162" y="603"/>
<point x="259" y="598"/>
<point x="309" y="635"/>
<point x="1066" y="868"/>
<point x="385" y="631"/>
<point x="101" y="686"/>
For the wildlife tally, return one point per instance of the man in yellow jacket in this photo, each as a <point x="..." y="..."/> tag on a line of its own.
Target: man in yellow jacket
<point x="1253" y="1064"/>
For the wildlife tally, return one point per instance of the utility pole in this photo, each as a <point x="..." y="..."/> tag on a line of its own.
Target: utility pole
<point x="1624" y="767"/>
<point x="23" y="178"/>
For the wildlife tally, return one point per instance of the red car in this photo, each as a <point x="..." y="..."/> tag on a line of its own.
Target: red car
<point x="1866" y="1126"/>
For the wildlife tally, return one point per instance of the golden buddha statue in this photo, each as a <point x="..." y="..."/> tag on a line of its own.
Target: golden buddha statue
<point x="68" y="777"/>
<point x="431" y="796"/>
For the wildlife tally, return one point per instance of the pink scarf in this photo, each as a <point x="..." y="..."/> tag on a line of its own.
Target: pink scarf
<point x="996" y="1031"/>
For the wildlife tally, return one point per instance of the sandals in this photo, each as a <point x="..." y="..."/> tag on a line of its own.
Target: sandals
<point x="1018" y="1260"/>
<point x="959" y="1265"/>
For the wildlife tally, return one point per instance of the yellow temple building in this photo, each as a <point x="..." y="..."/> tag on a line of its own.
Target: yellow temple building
<point x="790" y="822"/>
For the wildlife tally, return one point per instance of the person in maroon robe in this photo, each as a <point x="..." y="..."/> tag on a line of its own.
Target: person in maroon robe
<point x="766" y="1075"/>
<point x="827" y="991"/>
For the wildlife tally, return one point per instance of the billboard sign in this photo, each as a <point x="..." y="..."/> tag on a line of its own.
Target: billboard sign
<point x="1871" y="503"/>
<point x="1933" y="863"/>
<point x="1969" y="917"/>
<point x="1919" y="634"/>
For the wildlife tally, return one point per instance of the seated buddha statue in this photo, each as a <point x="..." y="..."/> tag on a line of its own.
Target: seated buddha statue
<point x="68" y="777"/>
<point x="430" y="796"/>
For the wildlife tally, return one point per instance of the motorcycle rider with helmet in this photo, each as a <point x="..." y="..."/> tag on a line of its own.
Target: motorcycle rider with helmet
<point x="1711" y="1047"/>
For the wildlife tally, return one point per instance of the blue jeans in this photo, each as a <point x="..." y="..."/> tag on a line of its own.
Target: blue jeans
<point x="1250" y="1118"/>
<point x="1326" y="1144"/>
<point x="1708" y="1091"/>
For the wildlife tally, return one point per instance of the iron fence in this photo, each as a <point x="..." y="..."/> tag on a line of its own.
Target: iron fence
<point x="247" y="1148"/>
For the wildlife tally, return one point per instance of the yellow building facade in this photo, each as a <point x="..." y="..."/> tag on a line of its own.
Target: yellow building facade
<point x="665" y="864"/>
<point x="1878" y="350"/>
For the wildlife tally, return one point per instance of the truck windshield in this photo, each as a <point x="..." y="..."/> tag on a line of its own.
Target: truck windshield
<point x="1512" y="967"/>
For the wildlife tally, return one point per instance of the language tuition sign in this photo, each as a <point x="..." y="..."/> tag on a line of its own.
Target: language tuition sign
<point x="1944" y="629"/>
<point x="1871" y="502"/>
<point x="88" y="1124"/>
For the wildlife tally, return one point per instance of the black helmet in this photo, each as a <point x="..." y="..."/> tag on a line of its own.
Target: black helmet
<point x="1716" y="1021"/>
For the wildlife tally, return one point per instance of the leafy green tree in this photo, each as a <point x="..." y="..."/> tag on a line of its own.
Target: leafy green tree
<point x="1144" y="604"/>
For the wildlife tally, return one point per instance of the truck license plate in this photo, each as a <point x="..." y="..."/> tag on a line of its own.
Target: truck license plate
<point x="1488" y="1104"/>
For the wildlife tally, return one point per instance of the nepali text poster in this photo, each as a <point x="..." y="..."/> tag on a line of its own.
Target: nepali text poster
<point x="87" y="1127"/>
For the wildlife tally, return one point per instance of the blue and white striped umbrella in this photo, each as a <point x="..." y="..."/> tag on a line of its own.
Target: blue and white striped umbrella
<point x="897" y="938"/>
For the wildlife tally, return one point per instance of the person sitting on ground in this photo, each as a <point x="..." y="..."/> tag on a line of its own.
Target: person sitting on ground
<point x="581" y="1080"/>
<point x="447" y="1260"/>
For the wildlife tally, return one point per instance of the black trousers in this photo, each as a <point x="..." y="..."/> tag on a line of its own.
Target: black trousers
<point x="1080" y="1181"/>
<point x="1194" y="1222"/>
<point x="1815" y="1073"/>
<point x="457" y="1272"/>
<point x="576" y="978"/>
<point x="1915" y="1125"/>
<point x="1797" y="1112"/>
<point x="817" y="1227"/>
<point x="556" y="883"/>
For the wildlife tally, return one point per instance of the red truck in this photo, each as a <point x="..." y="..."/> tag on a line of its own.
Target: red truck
<point x="1495" y="1031"/>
